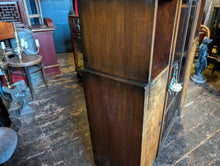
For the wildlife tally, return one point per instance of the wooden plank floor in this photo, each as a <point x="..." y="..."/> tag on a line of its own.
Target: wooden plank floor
<point x="195" y="137"/>
<point x="57" y="133"/>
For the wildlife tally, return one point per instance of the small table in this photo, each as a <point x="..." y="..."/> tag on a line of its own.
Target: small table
<point x="27" y="61"/>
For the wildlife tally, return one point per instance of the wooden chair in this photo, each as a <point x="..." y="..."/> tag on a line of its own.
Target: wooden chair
<point x="26" y="62"/>
<point x="6" y="31"/>
<point x="204" y="31"/>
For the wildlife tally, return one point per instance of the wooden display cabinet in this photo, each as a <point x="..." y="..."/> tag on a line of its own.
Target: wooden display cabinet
<point x="129" y="49"/>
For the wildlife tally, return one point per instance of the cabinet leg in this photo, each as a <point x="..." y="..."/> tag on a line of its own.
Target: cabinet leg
<point x="43" y="74"/>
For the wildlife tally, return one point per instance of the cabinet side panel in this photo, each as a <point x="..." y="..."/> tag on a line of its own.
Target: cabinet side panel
<point x="164" y="31"/>
<point x="152" y="119"/>
<point x="115" y="111"/>
<point x="117" y="36"/>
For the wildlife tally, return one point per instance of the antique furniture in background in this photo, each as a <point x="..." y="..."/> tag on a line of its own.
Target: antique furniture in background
<point x="204" y="31"/>
<point x="27" y="61"/>
<point x="6" y="32"/>
<point x="129" y="62"/>
<point x="76" y="38"/>
<point x="75" y="35"/>
<point x="47" y="50"/>
<point x="4" y="116"/>
<point x="16" y="13"/>
<point x="13" y="11"/>
<point x="22" y="61"/>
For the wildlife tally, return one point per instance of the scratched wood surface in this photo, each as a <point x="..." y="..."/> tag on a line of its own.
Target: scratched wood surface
<point x="152" y="118"/>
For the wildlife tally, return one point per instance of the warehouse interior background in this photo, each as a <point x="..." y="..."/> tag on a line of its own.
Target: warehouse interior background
<point x="52" y="126"/>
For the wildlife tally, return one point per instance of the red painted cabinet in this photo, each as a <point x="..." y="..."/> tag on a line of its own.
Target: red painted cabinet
<point x="47" y="49"/>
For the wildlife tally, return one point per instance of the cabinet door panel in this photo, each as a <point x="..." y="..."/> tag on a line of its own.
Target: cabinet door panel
<point x="115" y="113"/>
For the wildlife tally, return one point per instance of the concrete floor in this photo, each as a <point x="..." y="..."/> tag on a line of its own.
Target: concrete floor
<point x="57" y="132"/>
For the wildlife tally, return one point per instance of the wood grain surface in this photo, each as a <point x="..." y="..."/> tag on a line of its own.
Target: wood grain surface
<point x="125" y="116"/>
<point x="164" y="31"/>
<point x="152" y="119"/>
<point x="6" y="31"/>
<point x="115" y="113"/>
<point x="163" y="37"/>
<point x="117" y="36"/>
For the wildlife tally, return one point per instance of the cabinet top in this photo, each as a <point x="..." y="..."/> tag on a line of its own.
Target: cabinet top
<point x="38" y="28"/>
